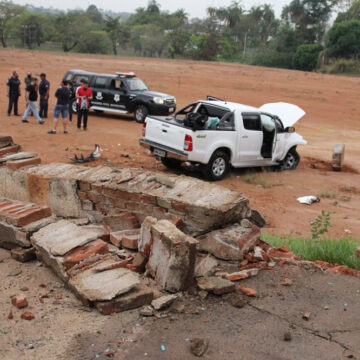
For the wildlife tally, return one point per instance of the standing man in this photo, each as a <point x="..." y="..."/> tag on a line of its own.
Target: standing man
<point x="27" y="81"/>
<point x="31" y="101"/>
<point x="63" y="97"/>
<point x="44" y="91"/>
<point x="13" y="93"/>
<point x="84" y="96"/>
<point x="72" y="98"/>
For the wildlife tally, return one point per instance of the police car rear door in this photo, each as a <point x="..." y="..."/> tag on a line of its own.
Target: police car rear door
<point x="119" y="97"/>
<point x="101" y="92"/>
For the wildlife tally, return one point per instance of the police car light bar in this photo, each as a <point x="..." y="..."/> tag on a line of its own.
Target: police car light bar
<point x="129" y="74"/>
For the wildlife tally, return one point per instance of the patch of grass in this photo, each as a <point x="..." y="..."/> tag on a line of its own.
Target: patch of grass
<point x="350" y="190"/>
<point x="334" y="251"/>
<point x="328" y="194"/>
<point x="259" y="181"/>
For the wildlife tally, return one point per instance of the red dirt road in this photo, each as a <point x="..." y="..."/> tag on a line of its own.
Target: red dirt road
<point x="333" y="116"/>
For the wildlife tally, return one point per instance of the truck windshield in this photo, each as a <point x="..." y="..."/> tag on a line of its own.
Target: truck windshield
<point x="136" y="85"/>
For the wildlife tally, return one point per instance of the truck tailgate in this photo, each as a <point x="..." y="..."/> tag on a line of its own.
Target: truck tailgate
<point x="165" y="133"/>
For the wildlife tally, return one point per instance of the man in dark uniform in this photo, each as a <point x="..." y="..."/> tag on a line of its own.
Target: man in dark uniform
<point x="44" y="90"/>
<point x="14" y="92"/>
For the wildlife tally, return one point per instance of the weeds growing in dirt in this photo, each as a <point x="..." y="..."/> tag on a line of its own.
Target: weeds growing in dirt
<point x="259" y="181"/>
<point x="321" y="225"/>
<point x="334" y="251"/>
<point x="328" y="194"/>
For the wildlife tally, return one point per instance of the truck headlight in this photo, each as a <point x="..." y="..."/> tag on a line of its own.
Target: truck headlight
<point x="158" y="100"/>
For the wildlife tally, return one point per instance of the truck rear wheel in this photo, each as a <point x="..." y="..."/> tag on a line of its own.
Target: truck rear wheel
<point x="140" y="113"/>
<point x="218" y="166"/>
<point x="73" y="106"/>
<point x="172" y="164"/>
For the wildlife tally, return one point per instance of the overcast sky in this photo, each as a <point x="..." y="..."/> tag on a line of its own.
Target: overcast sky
<point x="195" y="8"/>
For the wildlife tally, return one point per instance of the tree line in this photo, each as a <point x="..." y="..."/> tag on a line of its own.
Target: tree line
<point x="301" y="38"/>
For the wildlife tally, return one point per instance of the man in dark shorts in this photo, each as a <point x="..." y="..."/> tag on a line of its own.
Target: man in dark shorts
<point x="31" y="101"/>
<point x="44" y="91"/>
<point x="83" y="96"/>
<point x="62" y="106"/>
<point x="14" y="93"/>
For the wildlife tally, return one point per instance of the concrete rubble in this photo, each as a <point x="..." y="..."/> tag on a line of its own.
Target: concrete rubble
<point x="126" y="238"/>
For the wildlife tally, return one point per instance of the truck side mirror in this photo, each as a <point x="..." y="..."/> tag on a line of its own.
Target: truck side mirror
<point x="290" y="129"/>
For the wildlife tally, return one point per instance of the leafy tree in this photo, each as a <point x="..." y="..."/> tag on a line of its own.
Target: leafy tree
<point x="343" y="39"/>
<point x="94" y="14"/>
<point x="32" y="29"/>
<point x="95" y="42"/>
<point x="70" y="28"/>
<point x="306" y="57"/>
<point x="309" y="17"/>
<point x="9" y="12"/>
<point x="353" y="13"/>
<point x="113" y="29"/>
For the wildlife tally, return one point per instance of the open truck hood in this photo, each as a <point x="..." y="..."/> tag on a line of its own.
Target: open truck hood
<point x="289" y="114"/>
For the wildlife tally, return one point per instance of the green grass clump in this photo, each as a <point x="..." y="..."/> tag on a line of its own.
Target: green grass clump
<point x="334" y="251"/>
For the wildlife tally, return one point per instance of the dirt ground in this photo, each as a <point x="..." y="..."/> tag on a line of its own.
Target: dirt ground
<point x="333" y="115"/>
<point x="63" y="329"/>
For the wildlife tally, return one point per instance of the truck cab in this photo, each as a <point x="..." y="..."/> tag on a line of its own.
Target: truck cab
<point x="122" y="93"/>
<point x="243" y="136"/>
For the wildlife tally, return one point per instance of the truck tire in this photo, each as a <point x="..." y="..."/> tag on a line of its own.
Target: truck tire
<point x="74" y="107"/>
<point x="140" y="113"/>
<point x="291" y="160"/>
<point x="172" y="164"/>
<point x="218" y="166"/>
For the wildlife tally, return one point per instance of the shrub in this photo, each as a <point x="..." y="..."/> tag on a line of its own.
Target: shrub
<point x="306" y="56"/>
<point x="95" y="42"/>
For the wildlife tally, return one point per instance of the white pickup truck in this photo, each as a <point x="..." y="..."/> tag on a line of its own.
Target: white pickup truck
<point x="243" y="136"/>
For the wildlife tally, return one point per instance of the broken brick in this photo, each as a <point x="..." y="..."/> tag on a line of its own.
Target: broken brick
<point x="138" y="263"/>
<point x="216" y="285"/>
<point x="23" y="255"/>
<point x="27" y="216"/>
<point x="19" y="301"/>
<point x="18" y="164"/>
<point x="83" y="252"/>
<point x="248" y="291"/>
<point x="121" y="221"/>
<point x="28" y="315"/>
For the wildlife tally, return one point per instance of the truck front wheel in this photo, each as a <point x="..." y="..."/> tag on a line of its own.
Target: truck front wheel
<point x="291" y="160"/>
<point x="140" y="113"/>
<point x="218" y="166"/>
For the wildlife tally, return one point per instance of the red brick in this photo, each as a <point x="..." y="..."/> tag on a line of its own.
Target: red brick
<point x="284" y="249"/>
<point x="28" y="216"/>
<point x="83" y="252"/>
<point x="23" y="255"/>
<point x="248" y="291"/>
<point x="236" y="277"/>
<point x="82" y="195"/>
<point x="138" y="264"/>
<point x="5" y="141"/>
<point x="13" y="149"/>
<point x="179" y="206"/>
<point x="97" y="187"/>
<point x="18" y="164"/>
<point x="84" y="186"/>
<point x="28" y="315"/>
<point x="130" y="242"/>
<point x="10" y="316"/>
<point x="19" y="301"/>
<point x="96" y="197"/>
<point x="121" y="221"/>
<point x="87" y="205"/>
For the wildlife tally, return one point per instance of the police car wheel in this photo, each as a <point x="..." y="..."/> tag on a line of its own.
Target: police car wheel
<point x="73" y="107"/>
<point x="140" y="113"/>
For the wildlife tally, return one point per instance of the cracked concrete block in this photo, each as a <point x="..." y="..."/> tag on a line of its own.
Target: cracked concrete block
<point x="172" y="257"/>
<point x="96" y="285"/>
<point x="230" y="243"/>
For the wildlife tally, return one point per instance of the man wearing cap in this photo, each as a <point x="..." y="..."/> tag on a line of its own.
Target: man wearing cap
<point x="13" y="93"/>
<point x="44" y="90"/>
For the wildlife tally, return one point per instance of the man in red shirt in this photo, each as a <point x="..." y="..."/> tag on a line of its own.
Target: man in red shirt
<point x="83" y="96"/>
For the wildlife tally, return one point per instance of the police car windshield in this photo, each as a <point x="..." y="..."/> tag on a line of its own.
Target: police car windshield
<point x="136" y="85"/>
